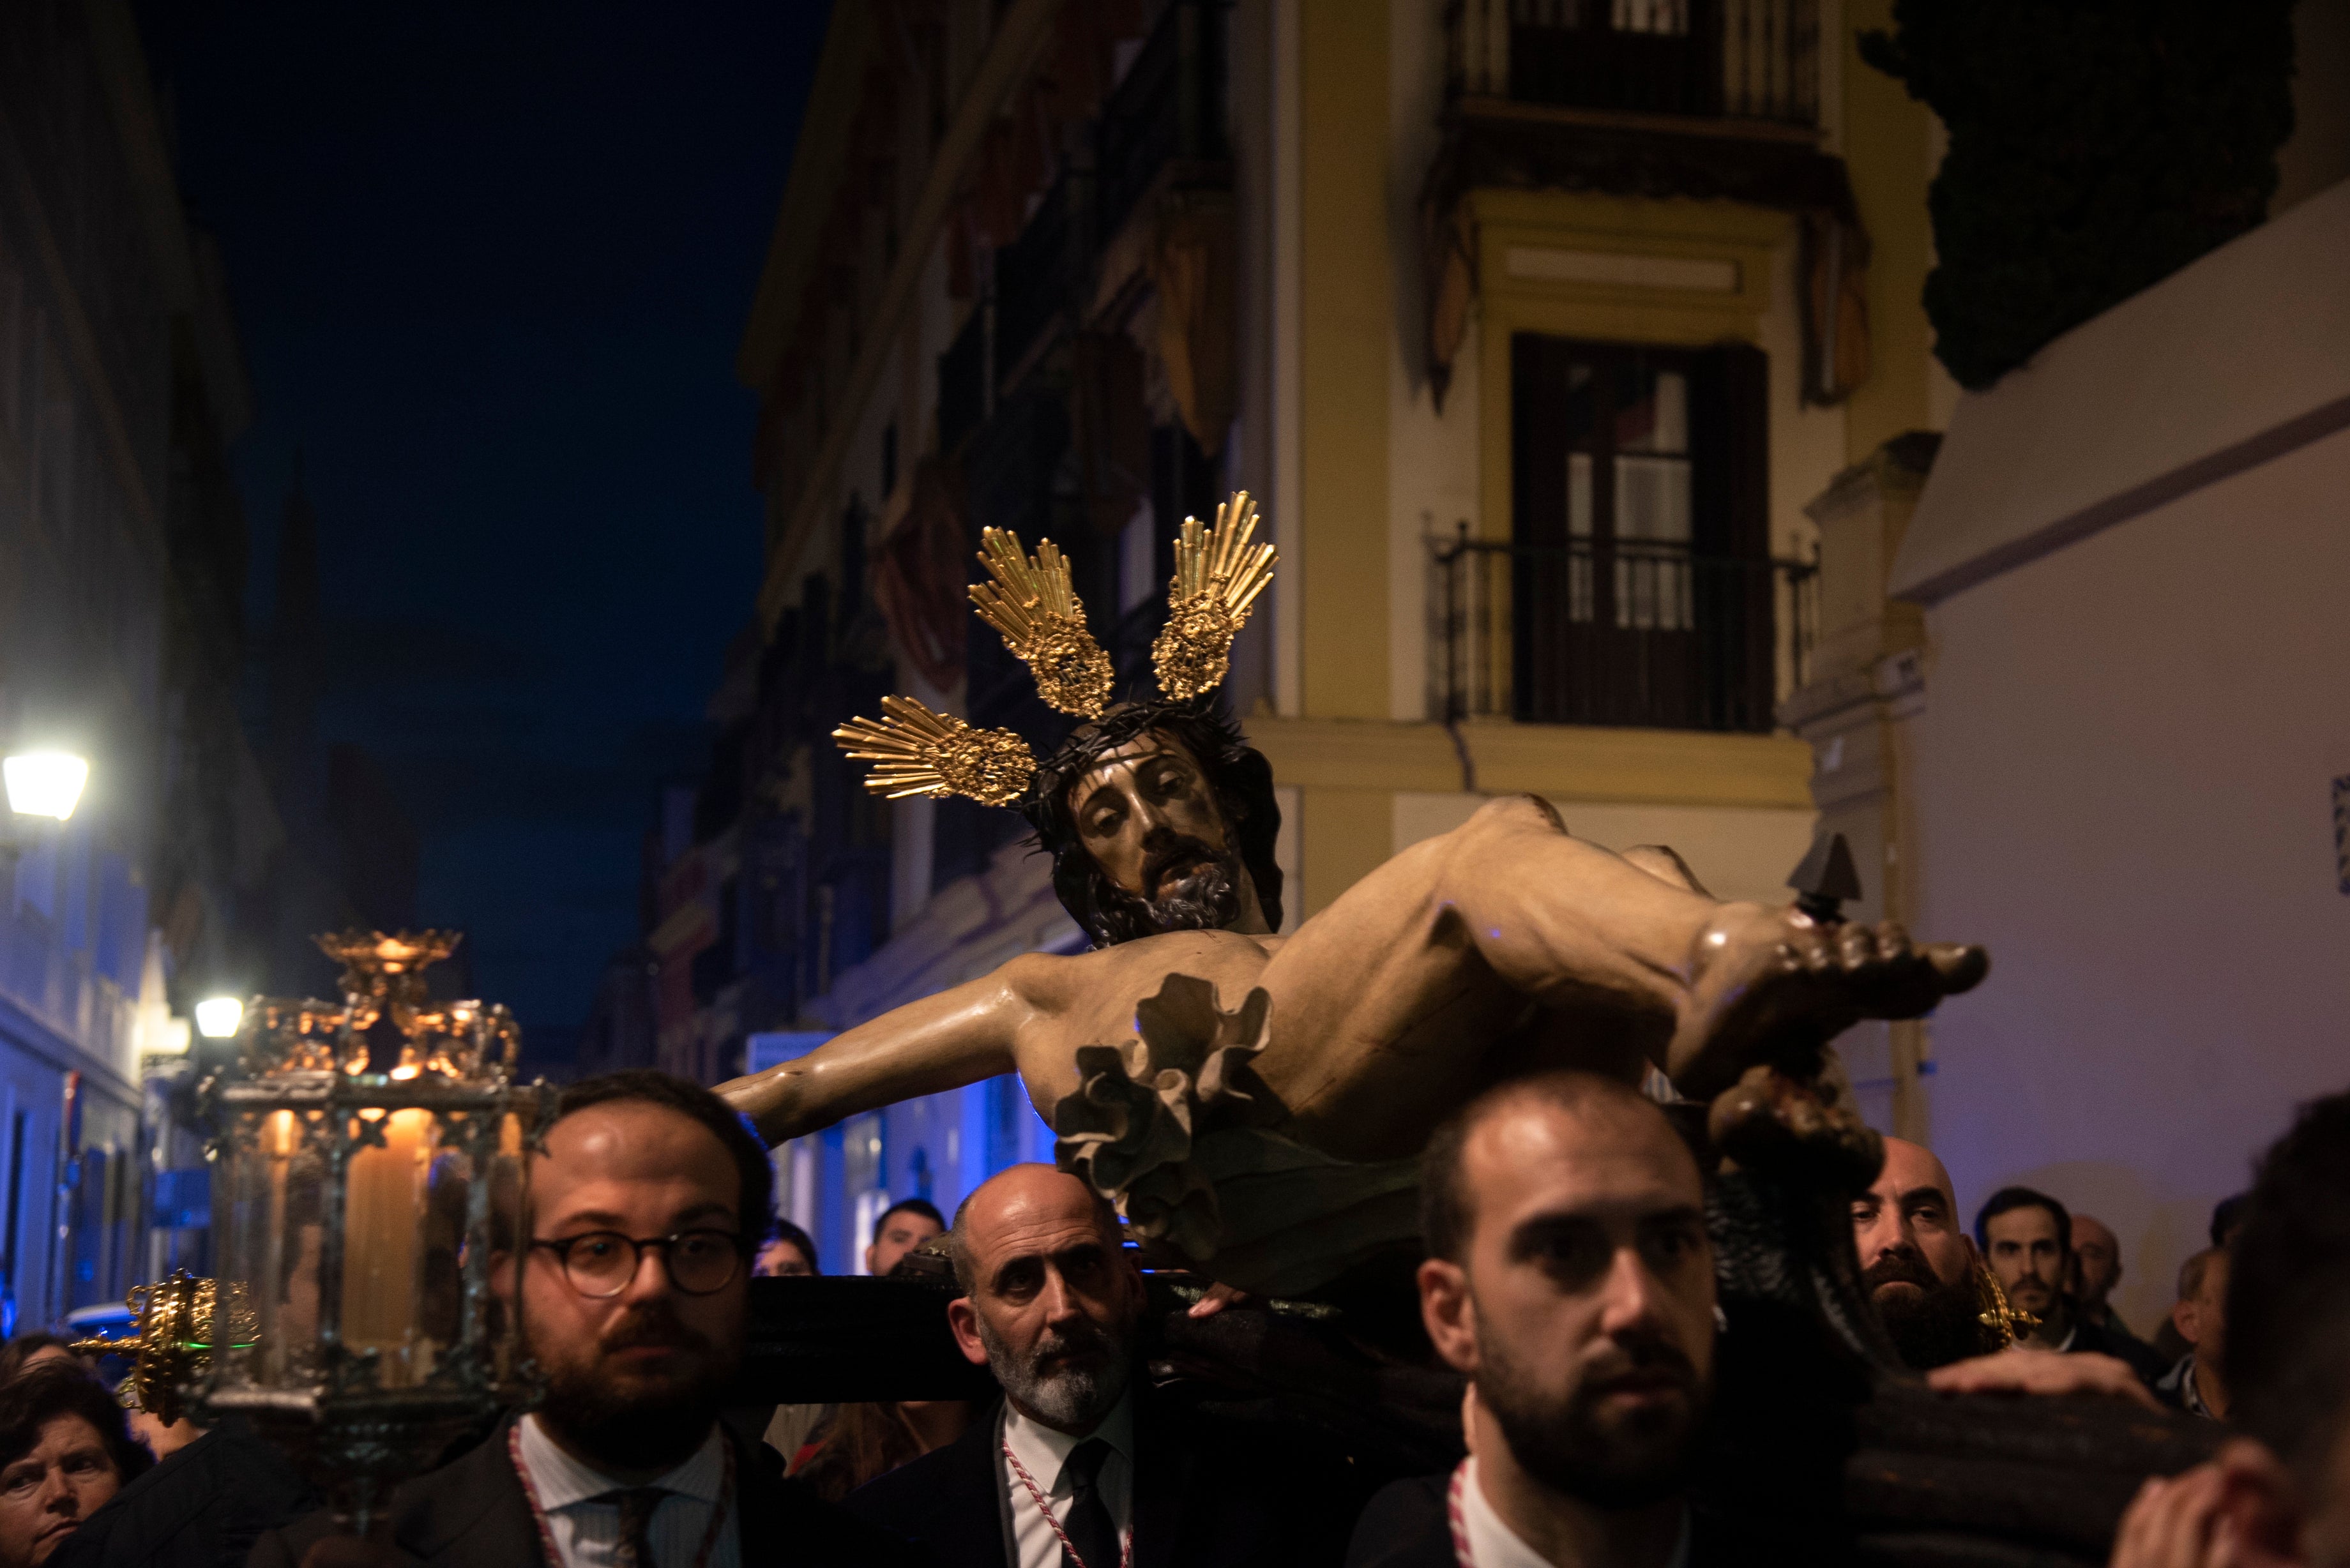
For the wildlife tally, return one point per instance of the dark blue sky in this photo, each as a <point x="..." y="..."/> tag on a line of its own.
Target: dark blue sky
<point x="491" y="263"/>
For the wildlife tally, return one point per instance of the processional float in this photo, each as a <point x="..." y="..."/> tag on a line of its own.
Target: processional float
<point x="368" y="1160"/>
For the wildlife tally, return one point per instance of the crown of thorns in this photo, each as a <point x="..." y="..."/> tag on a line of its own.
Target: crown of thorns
<point x="1219" y="573"/>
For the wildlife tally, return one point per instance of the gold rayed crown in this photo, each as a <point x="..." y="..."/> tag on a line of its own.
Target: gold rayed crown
<point x="1218" y="574"/>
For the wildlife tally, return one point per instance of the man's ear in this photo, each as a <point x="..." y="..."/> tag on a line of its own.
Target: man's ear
<point x="1450" y="1313"/>
<point x="963" y="1319"/>
<point x="2260" y="1506"/>
<point x="2184" y="1318"/>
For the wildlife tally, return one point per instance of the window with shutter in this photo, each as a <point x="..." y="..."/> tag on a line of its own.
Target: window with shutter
<point x="1640" y="580"/>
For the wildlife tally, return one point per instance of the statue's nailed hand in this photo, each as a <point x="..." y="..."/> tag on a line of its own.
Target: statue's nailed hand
<point x="1772" y="985"/>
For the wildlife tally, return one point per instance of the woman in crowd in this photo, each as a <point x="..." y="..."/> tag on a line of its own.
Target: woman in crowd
<point x="35" y="1345"/>
<point x="64" y="1449"/>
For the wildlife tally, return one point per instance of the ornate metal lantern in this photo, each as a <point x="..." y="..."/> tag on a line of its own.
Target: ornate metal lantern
<point x="368" y="1163"/>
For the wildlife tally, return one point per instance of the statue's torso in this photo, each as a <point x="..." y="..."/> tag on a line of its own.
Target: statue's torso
<point x="1374" y="1037"/>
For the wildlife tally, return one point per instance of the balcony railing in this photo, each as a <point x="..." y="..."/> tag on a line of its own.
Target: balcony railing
<point x="1169" y="105"/>
<point x="1035" y="282"/>
<point x="1644" y="635"/>
<point x="1714" y="59"/>
<point x="965" y="399"/>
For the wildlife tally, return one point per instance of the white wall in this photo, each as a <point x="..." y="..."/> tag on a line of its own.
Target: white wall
<point x="2124" y="783"/>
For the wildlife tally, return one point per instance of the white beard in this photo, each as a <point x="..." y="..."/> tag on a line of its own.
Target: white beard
<point x="1074" y="1400"/>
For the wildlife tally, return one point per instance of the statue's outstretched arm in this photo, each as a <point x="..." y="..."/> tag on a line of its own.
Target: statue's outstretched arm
<point x="1568" y="923"/>
<point x="959" y="1036"/>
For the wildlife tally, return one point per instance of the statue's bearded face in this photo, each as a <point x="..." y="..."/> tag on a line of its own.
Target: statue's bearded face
<point x="1148" y="817"/>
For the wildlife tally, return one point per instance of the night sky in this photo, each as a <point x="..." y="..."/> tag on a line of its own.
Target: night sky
<point x="491" y="264"/>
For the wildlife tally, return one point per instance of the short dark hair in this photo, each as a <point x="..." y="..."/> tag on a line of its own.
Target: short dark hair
<point x="784" y="1231"/>
<point x="2288" y="1350"/>
<point x="1447" y="1214"/>
<point x="46" y="1390"/>
<point x="921" y="1206"/>
<point x="2010" y="1198"/>
<point x="755" y="1199"/>
<point x="1238" y="775"/>
<point x="2227" y="1215"/>
<point x="24" y="1346"/>
<point x="2191" y="1273"/>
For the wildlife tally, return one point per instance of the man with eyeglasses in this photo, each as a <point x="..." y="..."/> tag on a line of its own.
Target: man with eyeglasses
<point x="647" y="1207"/>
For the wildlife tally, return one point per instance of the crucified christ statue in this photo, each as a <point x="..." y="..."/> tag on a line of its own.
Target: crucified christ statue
<point x="1504" y="945"/>
<point x="1260" y="1101"/>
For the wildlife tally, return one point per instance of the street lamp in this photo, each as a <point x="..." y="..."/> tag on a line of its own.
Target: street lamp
<point x="44" y="784"/>
<point x="217" y="1017"/>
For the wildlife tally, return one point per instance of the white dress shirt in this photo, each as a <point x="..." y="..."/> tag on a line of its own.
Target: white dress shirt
<point x="586" y="1530"/>
<point x="1046" y="1453"/>
<point x="1494" y="1544"/>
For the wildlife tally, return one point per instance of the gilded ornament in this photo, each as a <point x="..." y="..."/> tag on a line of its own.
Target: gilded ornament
<point x="921" y="753"/>
<point x="1043" y="622"/>
<point x="1219" y="573"/>
<point x="2006" y="1322"/>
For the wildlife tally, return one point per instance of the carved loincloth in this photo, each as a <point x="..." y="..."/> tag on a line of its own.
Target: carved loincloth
<point x="1176" y="1127"/>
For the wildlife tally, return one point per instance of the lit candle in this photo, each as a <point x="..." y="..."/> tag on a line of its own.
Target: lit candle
<point x="382" y="1216"/>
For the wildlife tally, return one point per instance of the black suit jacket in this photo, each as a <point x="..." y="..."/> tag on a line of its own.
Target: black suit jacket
<point x="472" y="1512"/>
<point x="202" y="1508"/>
<point x="1407" y="1525"/>
<point x="2101" y="1339"/>
<point x="1207" y="1490"/>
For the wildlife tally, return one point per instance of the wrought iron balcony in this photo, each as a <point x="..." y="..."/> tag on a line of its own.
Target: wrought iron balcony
<point x="1169" y="106"/>
<point x="965" y="398"/>
<point x="1639" y="634"/>
<point x="1711" y="59"/>
<point x="1035" y="275"/>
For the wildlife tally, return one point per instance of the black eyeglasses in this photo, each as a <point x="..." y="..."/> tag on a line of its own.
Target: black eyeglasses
<point x="600" y="1263"/>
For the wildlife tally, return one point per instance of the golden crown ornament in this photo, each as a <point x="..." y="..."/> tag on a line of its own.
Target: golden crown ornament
<point x="1217" y="576"/>
<point x="1219" y="572"/>
<point x="1043" y="622"/>
<point x="922" y="753"/>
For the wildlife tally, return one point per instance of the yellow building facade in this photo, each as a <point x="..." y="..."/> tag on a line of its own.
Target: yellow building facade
<point x="1550" y="337"/>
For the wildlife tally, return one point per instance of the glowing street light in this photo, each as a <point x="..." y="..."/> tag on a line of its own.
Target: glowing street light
<point x="44" y="784"/>
<point x="217" y="1017"/>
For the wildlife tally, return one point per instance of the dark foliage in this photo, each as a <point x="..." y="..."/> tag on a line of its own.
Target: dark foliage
<point x="2096" y="146"/>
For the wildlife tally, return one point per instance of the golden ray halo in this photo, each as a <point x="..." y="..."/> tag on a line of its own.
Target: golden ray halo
<point x="1219" y="573"/>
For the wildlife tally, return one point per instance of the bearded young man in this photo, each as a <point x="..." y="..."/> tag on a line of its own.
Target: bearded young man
<point x="1571" y="1280"/>
<point x="1083" y="1463"/>
<point x="1917" y="1262"/>
<point x="648" y="1206"/>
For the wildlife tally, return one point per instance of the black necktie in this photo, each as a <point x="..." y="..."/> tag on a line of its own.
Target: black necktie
<point x="636" y="1506"/>
<point x="1093" y="1535"/>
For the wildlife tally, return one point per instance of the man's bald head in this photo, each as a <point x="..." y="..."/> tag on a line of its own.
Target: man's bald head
<point x="2096" y="1261"/>
<point x="1050" y="1300"/>
<point x="1912" y="1208"/>
<point x="1915" y="1260"/>
<point x="1020" y="1197"/>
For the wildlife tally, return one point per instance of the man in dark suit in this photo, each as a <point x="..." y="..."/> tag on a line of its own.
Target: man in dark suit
<point x="2026" y="1237"/>
<point x="1081" y="1466"/>
<point x="1571" y="1279"/>
<point x="648" y="1206"/>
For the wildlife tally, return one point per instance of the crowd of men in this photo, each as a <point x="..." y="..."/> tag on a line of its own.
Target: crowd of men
<point x="1569" y="1279"/>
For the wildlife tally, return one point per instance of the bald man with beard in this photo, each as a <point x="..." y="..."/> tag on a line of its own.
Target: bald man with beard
<point x="1917" y="1260"/>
